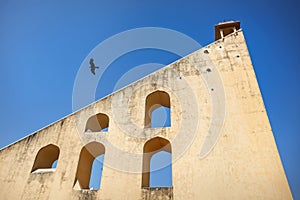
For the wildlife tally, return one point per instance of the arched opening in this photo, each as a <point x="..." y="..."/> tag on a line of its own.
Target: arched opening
<point x="46" y="159"/>
<point x="154" y="101"/>
<point x="97" y="123"/>
<point x="89" y="170"/>
<point x="159" y="151"/>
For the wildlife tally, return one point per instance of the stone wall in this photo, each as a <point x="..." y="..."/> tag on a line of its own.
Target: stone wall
<point x="243" y="164"/>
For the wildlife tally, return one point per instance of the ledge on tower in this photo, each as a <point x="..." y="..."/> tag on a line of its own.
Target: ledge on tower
<point x="225" y="28"/>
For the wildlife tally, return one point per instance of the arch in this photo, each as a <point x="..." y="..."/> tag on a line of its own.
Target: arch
<point x="152" y="147"/>
<point x="86" y="159"/>
<point x="153" y="101"/>
<point x="97" y="123"/>
<point x="45" y="158"/>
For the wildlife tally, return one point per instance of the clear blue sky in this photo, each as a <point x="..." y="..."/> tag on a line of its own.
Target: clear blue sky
<point x="43" y="43"/>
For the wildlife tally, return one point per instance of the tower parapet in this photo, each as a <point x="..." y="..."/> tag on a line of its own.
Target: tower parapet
<point x="223" y="29"/>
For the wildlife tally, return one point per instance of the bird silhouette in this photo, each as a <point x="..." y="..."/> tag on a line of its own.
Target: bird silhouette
<point x="92" y="66"/>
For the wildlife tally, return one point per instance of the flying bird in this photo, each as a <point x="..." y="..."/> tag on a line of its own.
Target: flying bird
<point x="92" y="66"/>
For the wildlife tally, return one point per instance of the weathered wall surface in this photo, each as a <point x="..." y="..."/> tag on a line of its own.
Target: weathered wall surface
<point x="244" y="164"/>
<point x="157" y="193"/>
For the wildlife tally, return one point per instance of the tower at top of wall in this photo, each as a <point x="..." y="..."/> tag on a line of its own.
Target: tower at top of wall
<point x="223" y="29"/>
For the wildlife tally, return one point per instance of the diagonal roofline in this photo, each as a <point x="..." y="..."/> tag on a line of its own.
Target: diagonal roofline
<point x="80" y="109"/>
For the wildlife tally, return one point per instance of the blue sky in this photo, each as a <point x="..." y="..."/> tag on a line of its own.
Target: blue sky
<point x="43" y="43"/>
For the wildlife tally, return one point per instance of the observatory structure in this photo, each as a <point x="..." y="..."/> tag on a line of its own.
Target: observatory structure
<point x="220" y="139"/>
